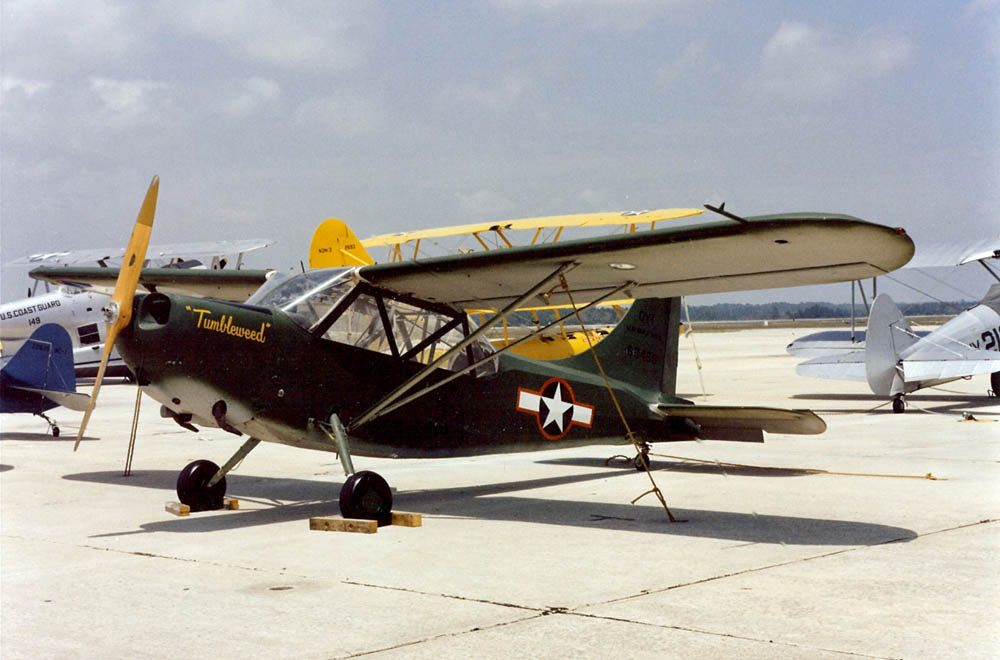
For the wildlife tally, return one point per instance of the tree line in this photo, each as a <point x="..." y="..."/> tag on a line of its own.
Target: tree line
<point x="758" y="312"/>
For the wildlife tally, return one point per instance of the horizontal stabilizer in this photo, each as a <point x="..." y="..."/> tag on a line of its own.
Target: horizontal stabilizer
<point x="948" y="366"/>
<point x="839" y="366"/>
<point x="744" y="423"/>
<point x="71" y="400"/>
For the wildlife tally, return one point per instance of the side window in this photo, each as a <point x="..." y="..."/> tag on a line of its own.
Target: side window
<point x="89" y="334"/>
<point x="413" y="333"/>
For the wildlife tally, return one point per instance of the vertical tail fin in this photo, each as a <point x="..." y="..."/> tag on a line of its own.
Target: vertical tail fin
<point x="45" y="360"/>
<point x="887" y="336"/>
<point x="642" y="349"/>
<point x="334" y="244"/>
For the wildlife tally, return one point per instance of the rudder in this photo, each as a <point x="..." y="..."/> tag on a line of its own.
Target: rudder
<point x="887" y="336"/>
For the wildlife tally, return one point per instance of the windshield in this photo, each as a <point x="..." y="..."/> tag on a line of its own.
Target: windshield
<point x="309" y="296"/>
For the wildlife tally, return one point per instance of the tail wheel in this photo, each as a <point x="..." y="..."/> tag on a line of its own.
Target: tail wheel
<point x="995" y="382"/>
<point x="193" y="489"/>
<point x="367" y="496"/>
<point x="897" y="405"/>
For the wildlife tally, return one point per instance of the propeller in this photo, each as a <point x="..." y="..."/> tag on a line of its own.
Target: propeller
<point x="118" y="311"/>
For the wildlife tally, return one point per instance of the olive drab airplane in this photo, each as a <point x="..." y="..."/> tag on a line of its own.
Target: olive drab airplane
<point x="76" y="304"/>
<point x="382" y="360"/>
<point x="895" y="360"/>
<point x="39" y="376"/>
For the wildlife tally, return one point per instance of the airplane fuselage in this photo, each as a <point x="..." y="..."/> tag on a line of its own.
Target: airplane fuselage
<point x="274" y="378"/>
<point x="79" y="312"/>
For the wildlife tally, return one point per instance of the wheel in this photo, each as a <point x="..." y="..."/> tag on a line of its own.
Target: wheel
<point x="55" y="431"/>
<point x="995" y="382"/>
<point x="897" y="405"/>
<point x="367" y="496"/>
<point x="193" y="491"/>
<point x="641" y="461"/>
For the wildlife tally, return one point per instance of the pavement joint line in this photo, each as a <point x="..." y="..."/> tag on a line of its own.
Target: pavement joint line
<point x="541" y="612"/>
<point x="713" y="633"/>
<point x="648" y="592"/>
<point x="432" y="638"/>
<point x="152" y="555"/>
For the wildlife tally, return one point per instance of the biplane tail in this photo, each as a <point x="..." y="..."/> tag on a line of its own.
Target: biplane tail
<point x="334" y="244"/>
<point x="642" y="349"/>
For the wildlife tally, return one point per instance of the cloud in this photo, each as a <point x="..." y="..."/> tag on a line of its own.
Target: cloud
<point x="346" y="115"/>
<point x="695" y="62"/>
<point x="128" y="102"/>
<point x="804" y="62"/>
<point x="50" y="38"/>
<point x="27" y="87"/>
<point x="256" y="93"/>
<point x="325" y="35"/>
<point x="604" y="15"/>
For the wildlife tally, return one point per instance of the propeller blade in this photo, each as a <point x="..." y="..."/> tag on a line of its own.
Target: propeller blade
<point x="118" y="313"/>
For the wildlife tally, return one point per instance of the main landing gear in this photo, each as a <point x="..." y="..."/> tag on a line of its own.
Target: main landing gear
<point x="366" y="495"/>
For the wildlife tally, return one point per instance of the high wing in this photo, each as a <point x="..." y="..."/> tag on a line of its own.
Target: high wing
<point x="230" y="285"/>
<point x="757" y="253"/>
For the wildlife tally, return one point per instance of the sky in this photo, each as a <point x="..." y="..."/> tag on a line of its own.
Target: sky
<point x="264" y="118"/>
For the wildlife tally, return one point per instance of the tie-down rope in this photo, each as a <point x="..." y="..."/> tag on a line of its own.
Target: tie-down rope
<point x="628" y="430"/>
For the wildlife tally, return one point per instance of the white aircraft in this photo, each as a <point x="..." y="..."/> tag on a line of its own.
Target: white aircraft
<point x="894" y="360"/>
<point x="78" y="307"/>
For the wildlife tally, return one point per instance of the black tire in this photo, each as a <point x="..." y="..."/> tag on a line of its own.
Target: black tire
<point x="995" y="383"/>
<point x="641" y="461"/>
<point x="192" y="489"/>
<point x="55" y="431"/>
<point x="898" y="406"/>
<point x="367" y="496"/>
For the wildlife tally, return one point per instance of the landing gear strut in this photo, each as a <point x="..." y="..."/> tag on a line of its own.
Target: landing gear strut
<point x="898" y="405"/>
<point x="202" y="484"/>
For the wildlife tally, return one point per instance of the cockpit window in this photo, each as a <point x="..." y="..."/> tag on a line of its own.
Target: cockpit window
<point x="329" y="302"/>
<point x="377" y="322"/>
<point x="307" y="297"/>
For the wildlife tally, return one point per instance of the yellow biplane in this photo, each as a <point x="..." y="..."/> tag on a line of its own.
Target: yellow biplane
<point x="334" y="244"/>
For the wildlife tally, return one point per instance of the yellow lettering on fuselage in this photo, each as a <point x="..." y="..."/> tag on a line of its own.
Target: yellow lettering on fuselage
<point x="225" y="325"/>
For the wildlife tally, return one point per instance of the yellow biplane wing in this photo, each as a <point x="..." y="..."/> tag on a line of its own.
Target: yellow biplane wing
<point x="559" y="222"/>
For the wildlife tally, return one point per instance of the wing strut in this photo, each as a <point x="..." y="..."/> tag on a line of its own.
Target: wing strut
<point x="492" y="356"/>
<point x="390" y="398"/>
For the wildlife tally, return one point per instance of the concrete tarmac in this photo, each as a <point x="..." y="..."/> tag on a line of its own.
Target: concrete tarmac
<point x="827" y="546"/>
